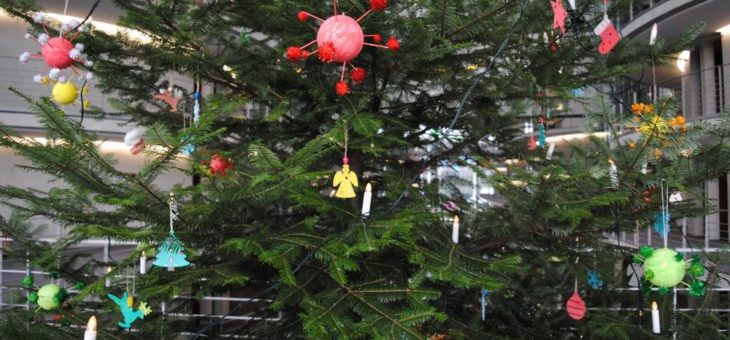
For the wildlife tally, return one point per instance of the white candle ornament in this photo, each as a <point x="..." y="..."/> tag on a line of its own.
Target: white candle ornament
<point x="613" y="174"/>
<point x="455" y="230"/>
<point x="108" y="280"/>
<point x="550" y="151"/>
<point x="656" y="327"/>
<point x="90" y="333"/>
<point x="366" y="200"/>
<point x="143" y="263"/>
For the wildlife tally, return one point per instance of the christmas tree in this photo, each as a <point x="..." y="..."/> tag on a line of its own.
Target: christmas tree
<point x="262" y="124"/>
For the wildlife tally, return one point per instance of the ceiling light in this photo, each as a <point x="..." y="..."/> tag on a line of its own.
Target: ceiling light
<point x="683" y="60"/>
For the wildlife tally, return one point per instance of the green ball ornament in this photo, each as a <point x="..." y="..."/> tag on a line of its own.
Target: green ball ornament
<point x="47" y="297"/>
<point x="664" y="268"/>
<point x="33" y="297"/>
<point x="27" y="281"/>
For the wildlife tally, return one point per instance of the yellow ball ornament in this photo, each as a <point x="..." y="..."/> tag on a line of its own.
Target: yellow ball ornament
<point x="64" y="93"/>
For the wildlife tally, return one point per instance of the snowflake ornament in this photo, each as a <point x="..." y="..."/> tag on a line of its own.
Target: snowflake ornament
<point x="661" y="225"/>
<point x="594" y="279"/>
<point x="340" y="39"/>
<point x="59" y="53"/>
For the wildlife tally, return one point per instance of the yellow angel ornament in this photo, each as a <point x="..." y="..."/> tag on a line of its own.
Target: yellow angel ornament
<point x="345" y="181"/>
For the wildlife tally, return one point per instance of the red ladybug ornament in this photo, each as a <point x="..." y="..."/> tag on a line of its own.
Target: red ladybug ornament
<point x="218" y="165"/>
<point x="576" y="307"/>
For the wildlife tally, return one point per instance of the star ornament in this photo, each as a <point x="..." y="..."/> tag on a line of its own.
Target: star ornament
<point x="168" y="97"/>
<point x="340" y="39"/>
<point x="146" y="310"/>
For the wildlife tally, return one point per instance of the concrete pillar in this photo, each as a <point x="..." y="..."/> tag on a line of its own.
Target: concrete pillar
<point x="725" y="42"/>
<point x="712" y="221"/>
<point x="707" y="79"/>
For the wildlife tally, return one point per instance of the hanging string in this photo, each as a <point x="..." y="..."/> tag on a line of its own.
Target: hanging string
<point x="344" y="124"/>
<point x="93" y="8"/>
<point x="173" y="211"/>
<point x="665" y="211"/>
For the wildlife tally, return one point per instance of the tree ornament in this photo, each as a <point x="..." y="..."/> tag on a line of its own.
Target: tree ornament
<point x="32" y="297"/>
<point x="696" y="269"/>
<point x="130" y="315"/>
<point x="541" y="139"/>
<point x="51" y="296"/>
<point x="609" y="35"/>
<point x="357" y="75"/>
<point x="65" y="92"/>
<point x="345" y="181"/>
<point x="594" y="279"/>
<point x="59" y="53"/>
<point x="531" y="143"/>
<point x="340" y="40"/>
<point x="171" y="253"/>
<point x="613" y="174"/>
<point x="576" y="307"/>
<point x="341" y="88"/>
<point x="135" y="140"/>
<point x="559" y="15"/>
<point x="484" y="300"/>
<point x="652" y="36"/>
<point x="455" y="229"/>
<point x="169" y="97"/>
<point x="218" y="165"/>
<point x="27" y="281"/>
<point x="665" y="268"/>
<point x="190" y="147"/>
<point x="661" y="223"/>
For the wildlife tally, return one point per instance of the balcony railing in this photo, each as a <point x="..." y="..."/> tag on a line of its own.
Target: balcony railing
<point x="702" y="93"/>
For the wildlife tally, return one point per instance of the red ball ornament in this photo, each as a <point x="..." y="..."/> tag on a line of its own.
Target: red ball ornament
<point x="218" y="165"/>
<point x="341" y="88"/>
<point x="378" y="5"/>
<point x="393" y="44"/>
<point x="293" y="53"/>
<point x="576" y="307"/>
<point x="345" y="160"/>
<point x="340" y="39"/>
<point x="56" y="52"/>
<point x="302" y="16"/>
<point x="357" y="75"/>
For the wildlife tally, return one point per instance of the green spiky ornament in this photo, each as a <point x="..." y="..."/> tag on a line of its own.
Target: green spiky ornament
<point x="665" y="268"/>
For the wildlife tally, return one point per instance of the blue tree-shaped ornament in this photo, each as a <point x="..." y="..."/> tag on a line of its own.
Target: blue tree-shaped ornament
<point x="171" y="253"/>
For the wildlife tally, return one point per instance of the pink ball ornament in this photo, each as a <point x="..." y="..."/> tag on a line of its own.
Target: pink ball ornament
<point x="344" y="35"/>
<point x="340" y="39"/>
<point x="56" y="52"/>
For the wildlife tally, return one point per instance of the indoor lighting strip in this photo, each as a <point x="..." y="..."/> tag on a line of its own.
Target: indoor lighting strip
<point x="104" y="145"/>
<point x="110" y="29"/>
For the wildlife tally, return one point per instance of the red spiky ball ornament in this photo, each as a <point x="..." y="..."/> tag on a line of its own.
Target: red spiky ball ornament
<point x="340" y="40"/>
<point x="59" y="53"/>
<point x="219" y="165"/>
